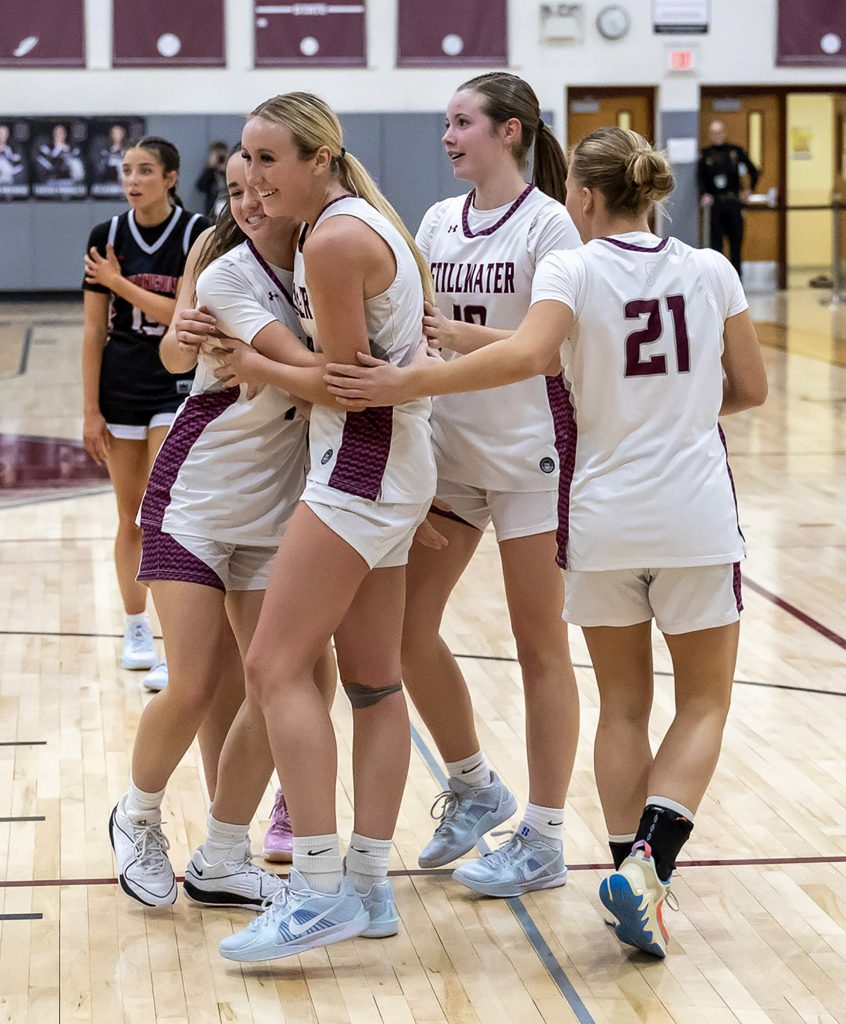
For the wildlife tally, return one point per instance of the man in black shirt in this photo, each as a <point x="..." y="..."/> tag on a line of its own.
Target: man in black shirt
<point x="721" y="167"/>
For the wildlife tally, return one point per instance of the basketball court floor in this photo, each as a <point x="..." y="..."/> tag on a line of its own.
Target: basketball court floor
<point x="760" y="934"/>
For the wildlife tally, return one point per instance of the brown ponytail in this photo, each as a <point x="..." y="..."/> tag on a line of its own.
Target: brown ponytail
<point x="168" y="156"/>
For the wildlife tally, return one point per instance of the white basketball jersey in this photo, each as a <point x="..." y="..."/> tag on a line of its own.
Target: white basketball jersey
<point x="651" y="485"/>
<point x="230" y="469"/>
<point x="383" y="454"/>
<point x="482" y="263"/>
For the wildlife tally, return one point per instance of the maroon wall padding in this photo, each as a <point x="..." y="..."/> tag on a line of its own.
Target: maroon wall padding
<point x="458" y="32"/>
<point x="173" y="33"/>
<point x="42" y="33"/>
<point x="311" y="34"/>
<point x="812" y="32"/>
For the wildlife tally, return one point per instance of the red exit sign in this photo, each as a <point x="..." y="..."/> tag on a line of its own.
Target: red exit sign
<point x="681" y="60"/>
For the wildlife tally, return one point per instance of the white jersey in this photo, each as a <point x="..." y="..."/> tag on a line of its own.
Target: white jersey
<point x="651" y="485"/>
<point x="382" y="454"/>
<point x="233" y="469"/>
<point x="482" y="264"/>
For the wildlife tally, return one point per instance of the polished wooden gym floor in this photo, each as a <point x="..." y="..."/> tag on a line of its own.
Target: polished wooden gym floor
<point x="760" y="935"/>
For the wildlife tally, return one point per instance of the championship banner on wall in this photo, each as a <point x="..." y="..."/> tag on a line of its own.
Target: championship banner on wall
<point x="108" y="140"/>
<point x="14" y="158"/>
<point x="57" y="152"/>
<point x="42" y="33"/>
<point x="311" y="34"/>
<point x="811" y="32"/>
<point x="445" y="32"/>
<point x="161" y="32"/>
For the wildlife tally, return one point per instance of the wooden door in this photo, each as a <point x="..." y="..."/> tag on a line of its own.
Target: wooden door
<point x="589" y="109"/>
<point x="755" y="121"/>
<point x="839" y="187"/>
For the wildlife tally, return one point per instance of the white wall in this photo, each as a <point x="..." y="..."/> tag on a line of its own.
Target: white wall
<point x="740" y="48"/>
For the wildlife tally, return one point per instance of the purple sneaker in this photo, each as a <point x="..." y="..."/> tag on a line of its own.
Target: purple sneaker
<point x="279" y="840"/>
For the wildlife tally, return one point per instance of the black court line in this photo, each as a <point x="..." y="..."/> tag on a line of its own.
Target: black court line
<point x="23" y="743"/>
<point x="21" y="917"/>
<point x="24" y="360"/>
<point x="94" y="636"/>
<point x="32" y="817"/>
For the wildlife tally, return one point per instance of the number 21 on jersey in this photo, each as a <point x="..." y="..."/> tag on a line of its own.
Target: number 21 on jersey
<point x="636" y="365"/>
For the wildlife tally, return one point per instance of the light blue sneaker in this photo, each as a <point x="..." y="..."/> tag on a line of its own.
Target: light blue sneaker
<point x="297" y="919"/>
<point x="525" y="862"/>
<point x="467" y="813"/>
<point x="379" y="904"/>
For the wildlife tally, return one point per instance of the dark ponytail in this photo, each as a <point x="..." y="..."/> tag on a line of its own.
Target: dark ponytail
<point x="168" y="156"/>
<point x="508" y="96"/>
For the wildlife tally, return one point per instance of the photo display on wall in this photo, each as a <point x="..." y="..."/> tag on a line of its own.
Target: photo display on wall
<point x="311" y="34"/>
<point x="14" y="158"/>
<point x="162" y="32"/>
<point x="57" y="153"/>
<point x="445" y="32"/>
<point x="108" y="140"/>
<point x="42" y="33"/>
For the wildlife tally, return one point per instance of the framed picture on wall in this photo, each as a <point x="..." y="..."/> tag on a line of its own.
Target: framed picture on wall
<point x="57" y="151"/>
<point x="14" y="158"/>
<point x="108" y="140"/>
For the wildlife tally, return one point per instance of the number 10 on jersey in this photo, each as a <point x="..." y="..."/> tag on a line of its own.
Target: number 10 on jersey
<point x="656" y="364"/>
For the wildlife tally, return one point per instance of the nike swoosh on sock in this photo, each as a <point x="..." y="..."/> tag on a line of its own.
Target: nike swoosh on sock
<point x="316" y="853"/>
<point x="466" y="771"/>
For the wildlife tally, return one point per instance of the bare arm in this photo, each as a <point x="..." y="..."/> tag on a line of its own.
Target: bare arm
<point x="242" y="364"/>
<point x="106" y="271"/>
<point x="175" y="357"/>
<point x="745" y="381"/>
<point x="529" y="352"/>
<point x="95" y="434"/>
<point x="456" y="335"/>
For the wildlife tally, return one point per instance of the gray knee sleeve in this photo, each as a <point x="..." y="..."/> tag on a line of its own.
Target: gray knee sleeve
<point x="366" y="696"/>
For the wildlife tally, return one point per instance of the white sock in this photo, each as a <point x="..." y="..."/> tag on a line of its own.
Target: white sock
<point x="222" y="838"/>
<point x="143" y="805"/>
<point x="474" y="770"/>
<point x="132" y="620"/>
<point x="318" y="860"/>
<point x="367" y="861"/>
<point x="549" y="821"/>
<point x="670" y="805"/>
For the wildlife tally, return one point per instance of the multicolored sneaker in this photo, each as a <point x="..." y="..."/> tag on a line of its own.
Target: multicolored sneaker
<point x="139" y="651"/>
<point x="635" y="895"/>
<point x="140" y="846"/>
<point x="297" y="919"/>
<point x="235" y="882"/>
<point x="466" y="814"/>
<point x="279" y="840"/>
<point x="525" y="862"/>
<point x="379" y="904"/>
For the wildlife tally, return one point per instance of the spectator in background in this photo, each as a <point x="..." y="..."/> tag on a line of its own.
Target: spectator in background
<point x="212" y="182"/>
<point x="721" y="167"/>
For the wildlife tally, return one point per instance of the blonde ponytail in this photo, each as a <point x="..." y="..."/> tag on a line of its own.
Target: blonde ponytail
<point x="625" y="168"/>
<point x="313" y="124"/>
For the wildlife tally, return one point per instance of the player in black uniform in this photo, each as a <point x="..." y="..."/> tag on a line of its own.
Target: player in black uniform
<point x="133" y="266"/>
<point x="721" y="167"/>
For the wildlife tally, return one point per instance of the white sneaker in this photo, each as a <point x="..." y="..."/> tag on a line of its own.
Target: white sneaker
<point x="235" y="882"/>
<point x="140" y="846"/>
<point x="156" y="679"/>
<point x="139" y="651"/>
<point x="380" y="907"/>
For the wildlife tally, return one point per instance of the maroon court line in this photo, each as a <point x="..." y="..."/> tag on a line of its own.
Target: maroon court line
<point x="797" y="613"/>
<point x="38" y="883"/>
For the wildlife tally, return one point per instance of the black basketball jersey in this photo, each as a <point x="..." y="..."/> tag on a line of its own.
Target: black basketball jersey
<point x="134" y="385"/>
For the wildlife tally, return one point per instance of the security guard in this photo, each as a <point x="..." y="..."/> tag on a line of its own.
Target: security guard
<point x="721" y="167"/>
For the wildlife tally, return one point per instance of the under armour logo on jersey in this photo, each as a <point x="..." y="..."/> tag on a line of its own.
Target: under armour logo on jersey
<point x="451" y="228"/>
<point x="273" y="296"/>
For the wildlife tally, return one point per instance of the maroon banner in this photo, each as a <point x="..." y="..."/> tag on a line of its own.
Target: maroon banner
<point x="811" y="32"/>
<point x="311" y="34"/>
<point x="42" y="33"/>
<point x="452" y="32"/>
<point x="162" y="32"/>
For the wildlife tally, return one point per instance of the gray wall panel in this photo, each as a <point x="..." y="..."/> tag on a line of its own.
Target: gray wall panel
<point x="683" y="204"/>
<point x="59" y="234"/>
<point x="412" y="162"/>
<point x="16" y="232"/>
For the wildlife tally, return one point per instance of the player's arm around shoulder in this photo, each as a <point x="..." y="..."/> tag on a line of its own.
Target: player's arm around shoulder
<point x="345" y="261"/>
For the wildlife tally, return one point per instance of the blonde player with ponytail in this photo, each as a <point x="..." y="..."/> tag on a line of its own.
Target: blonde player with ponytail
<point x="656" y="343"/>
<point x="359" y="286"/>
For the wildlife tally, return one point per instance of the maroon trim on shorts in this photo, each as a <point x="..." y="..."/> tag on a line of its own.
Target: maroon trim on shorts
<point x="164" y="558"/>
<point x="509" y="213"/>
<point x="566" y="435"/>
<point x="636" y="248"/>
<point x="363" y="453"/>
<point x="449" y="514"/>
<point x="736" y="582"/>
<point x="198" y="412"/>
